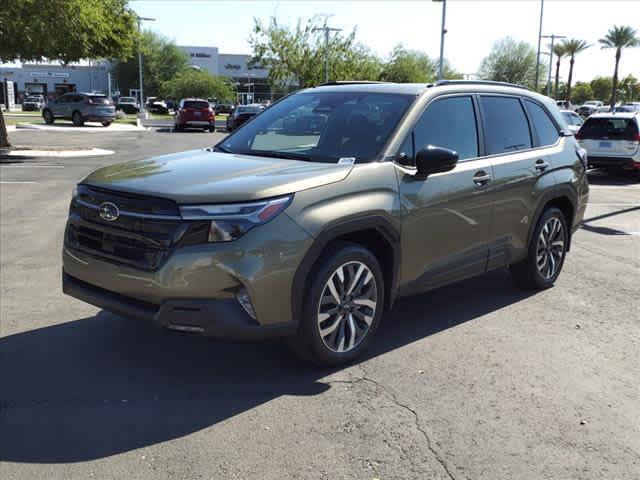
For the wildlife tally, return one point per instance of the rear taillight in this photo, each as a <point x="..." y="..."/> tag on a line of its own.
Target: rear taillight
<point x="578" y="136"/>
<point x="636" y="138"/>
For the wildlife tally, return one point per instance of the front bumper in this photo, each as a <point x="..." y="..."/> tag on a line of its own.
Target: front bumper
<point x="196" y="285"/>
<point x="222" y="318"/>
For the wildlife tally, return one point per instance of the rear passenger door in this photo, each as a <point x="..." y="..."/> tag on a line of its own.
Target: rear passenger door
<point x="446" y="219"/>
<point x="521" y="140"/>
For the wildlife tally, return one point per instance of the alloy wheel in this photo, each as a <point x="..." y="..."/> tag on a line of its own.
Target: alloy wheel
<point x="347" y="306"/>
<point x="550" y="248"/>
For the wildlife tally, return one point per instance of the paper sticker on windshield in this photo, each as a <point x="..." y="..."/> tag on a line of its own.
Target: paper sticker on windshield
<point x="347" y="160"/>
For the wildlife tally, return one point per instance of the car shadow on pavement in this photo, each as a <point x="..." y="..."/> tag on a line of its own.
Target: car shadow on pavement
<point x="104" y="385"/>
<point x="612" y="178"/>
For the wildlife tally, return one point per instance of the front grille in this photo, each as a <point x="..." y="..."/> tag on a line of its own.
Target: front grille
<point x="143" y="236"/>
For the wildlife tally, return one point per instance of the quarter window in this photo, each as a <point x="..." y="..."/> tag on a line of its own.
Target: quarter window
<point x="545" y="128"/>
<point x="506" y="125"/>
<point x="449" y="123"/>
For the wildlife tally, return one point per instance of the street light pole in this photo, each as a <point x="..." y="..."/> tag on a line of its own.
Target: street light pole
<point x="443" y="31"/>
<point x="539" y="40"/>
<point x="141" y="93"/>
<point x="326" y="31"/>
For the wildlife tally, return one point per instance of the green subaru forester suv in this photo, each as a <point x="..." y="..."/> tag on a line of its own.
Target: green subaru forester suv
<point x="310" y="220"/>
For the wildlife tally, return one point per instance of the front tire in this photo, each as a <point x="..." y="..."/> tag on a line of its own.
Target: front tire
<point x="77" y="119"/>
<point x="547" y="251"/>
<point x="106" y="123"/>
<point x="343" y="309"/>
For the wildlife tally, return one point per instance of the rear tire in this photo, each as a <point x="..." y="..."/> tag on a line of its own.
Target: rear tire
<point x="178" y="128"/>
<point x="212" y="129"/>
<point x="106" y="123"/>
<point x="48" y="117"/>
<point x="546" y="254"/>
<point x="77" y="119"/>
<point x="343" y="308"/>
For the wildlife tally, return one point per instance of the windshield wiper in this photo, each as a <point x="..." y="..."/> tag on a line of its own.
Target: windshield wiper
<point x="276" y="154"/>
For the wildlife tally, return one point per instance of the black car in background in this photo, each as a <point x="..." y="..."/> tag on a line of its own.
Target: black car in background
<point x="128" y="105"/>
<point x="225" y="108"/>
<point x="241" y="114"/>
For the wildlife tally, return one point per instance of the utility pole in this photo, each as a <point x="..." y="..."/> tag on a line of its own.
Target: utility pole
<point x="443" y="31"/>
<point x="553" y="37"/>
<point x="326" y="31"/>
<point x="539" y="40"/>
<point x="140" y="19"/>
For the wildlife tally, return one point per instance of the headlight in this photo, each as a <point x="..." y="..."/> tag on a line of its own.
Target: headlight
<point x="232" y="220"/>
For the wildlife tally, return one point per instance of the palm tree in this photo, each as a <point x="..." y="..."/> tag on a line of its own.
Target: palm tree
<point x="559" y="51"/>
<point x="572" y="48"/>
<point x="618" y="37"/>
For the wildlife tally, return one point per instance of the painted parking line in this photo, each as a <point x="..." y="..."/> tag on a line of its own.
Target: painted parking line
<point x="13" y="182"/>
<point x="25" y="165"/>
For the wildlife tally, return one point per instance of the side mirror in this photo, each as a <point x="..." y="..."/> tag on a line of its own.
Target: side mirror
<point x="432" y="159"/>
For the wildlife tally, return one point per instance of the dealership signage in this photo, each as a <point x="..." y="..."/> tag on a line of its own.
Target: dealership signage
<point x="50" y="74"/>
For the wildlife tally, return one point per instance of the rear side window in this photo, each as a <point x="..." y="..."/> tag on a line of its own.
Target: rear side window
<point x="506" y="126"/>
<point x="544" y="127"/>
<point x="450" y="123"/>
<point x="99" y="99"/>
<point x="196" y="105"/>
<point x="609" y="128"/>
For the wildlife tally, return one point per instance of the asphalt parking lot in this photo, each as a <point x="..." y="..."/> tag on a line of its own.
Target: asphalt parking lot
<point x="478" y="380"/>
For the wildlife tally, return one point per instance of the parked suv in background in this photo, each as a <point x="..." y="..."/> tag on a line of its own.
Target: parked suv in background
<point x="33" y="103"/>
<point x="128" y="105"/>
<point x="612" y="140"/>
<point x="195" y="113"/>
<point x="312" y="235"/>
<point x="241" y="114"/>
<point x="80" y="108"/>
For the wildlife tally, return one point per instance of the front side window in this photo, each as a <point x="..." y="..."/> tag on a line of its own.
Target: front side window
<point x="545" y="128"/>
<point x="506" y="125"/>
<point x="322" y="127"/>
<point x="449" y="123"/>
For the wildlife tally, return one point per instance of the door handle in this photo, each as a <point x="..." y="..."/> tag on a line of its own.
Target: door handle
<point x="481" y="178"/>
<point x="541" y="165"/>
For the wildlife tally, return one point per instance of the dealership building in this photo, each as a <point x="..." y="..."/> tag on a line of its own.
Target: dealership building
<point x="52" y="79"/>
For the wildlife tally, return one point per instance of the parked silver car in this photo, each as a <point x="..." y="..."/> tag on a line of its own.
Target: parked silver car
<point x="80" y="108"/>
<point x="32" y="103"/>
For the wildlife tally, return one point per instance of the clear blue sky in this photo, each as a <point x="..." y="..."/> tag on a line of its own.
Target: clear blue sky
<point x="473" y="25"/>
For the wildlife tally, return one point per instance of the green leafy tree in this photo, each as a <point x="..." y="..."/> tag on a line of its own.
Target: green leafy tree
<point x="582" y="92"/>
<point x="511" y="61"/>
<point x="601" y="87"/>
<point x="65" y="30"/>
<point x="559" y="51"/>
<point x="162" y="61"/>
<point x="572" y="48"/>
<point x="199" y="84"/>
<point x="409" y="66"/>
<point x="296" y="55"/>
<point x="629" y="89"/>
<point x="618" y="37"/>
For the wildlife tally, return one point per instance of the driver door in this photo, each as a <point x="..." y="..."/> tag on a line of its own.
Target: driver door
<point x="446" y="217"/>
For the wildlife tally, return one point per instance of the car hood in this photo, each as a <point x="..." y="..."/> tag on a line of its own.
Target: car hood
<point x="204" y="176"/>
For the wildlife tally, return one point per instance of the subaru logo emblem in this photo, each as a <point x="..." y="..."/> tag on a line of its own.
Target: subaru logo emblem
<point x="109" y="212"/>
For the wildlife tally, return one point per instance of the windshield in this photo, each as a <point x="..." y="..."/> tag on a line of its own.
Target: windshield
<point x="609" y="128"/>
<point x="198" y="105"/>
<point x="32" y="99"/>
<point x="248" y="109"/>
<point x="99" y="99"/>
<point x="127" y="99"/>
<point x="572" y="118"/>
<point x="322" y="127"/>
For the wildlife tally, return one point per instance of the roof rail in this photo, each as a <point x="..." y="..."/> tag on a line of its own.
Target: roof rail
<point x="349" y="82"/>
<point x="440" y="83"/>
